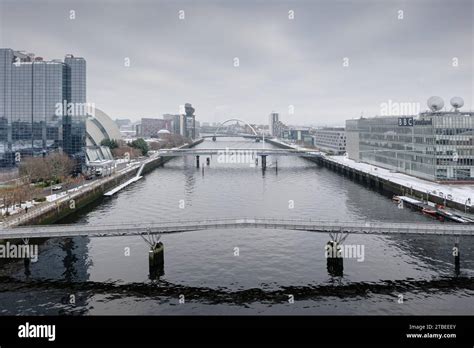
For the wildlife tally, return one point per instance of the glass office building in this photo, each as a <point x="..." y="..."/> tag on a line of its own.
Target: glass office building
<point x="74" y="125"/>
<point x="34" y="95"/>
<point x="433" y="145"/>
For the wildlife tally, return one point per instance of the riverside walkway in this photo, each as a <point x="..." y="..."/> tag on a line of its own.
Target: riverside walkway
<point x="143" y="228"/>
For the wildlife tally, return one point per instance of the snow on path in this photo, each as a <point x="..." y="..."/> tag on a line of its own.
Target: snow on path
<point x="459" y="193"/>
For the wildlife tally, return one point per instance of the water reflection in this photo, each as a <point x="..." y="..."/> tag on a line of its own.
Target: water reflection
<point x="272" y="263"/>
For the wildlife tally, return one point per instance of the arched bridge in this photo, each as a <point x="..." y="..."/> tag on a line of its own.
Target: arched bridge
<point x="142" y="228"/>
<point x="236" y="120"/>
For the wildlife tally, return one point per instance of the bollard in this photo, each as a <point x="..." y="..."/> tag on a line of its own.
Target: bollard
<point x="197" y="161"/>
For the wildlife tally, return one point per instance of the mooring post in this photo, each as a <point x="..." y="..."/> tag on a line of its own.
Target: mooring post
<point x="197" y="161"/>
<point x="457" y="255"/>
<point x="27" y="259"/>
<point x="156" y="258"/>
<point x="27" y="262"/>
<point x="264" y="162"/>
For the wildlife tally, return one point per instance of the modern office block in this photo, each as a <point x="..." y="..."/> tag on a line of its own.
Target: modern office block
<point x="42" y="106"/>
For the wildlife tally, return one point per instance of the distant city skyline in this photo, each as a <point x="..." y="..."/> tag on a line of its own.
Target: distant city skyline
<point x="327" y="61"/>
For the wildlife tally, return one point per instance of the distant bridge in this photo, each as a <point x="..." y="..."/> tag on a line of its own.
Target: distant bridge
<point x="152" y="228"/>
<point x="229" y="135"/>
<point x="239" y="150"/>
<point x="236" y="120"/>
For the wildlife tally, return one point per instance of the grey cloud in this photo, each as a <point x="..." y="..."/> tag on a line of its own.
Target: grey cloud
<point x="282" y="62"/>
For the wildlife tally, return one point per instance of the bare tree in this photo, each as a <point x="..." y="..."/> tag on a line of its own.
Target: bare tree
<point x="35" y="168"/>
<point x="59" y="166"/>
<point x="55" y="166"/>
<point x="156" y="145"/>
<point x="121" y="152"/>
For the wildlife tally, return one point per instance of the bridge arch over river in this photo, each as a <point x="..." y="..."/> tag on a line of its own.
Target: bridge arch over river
<point x="235" y="120"/>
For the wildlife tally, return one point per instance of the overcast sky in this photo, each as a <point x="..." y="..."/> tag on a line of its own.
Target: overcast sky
<point x="282" y="61"/>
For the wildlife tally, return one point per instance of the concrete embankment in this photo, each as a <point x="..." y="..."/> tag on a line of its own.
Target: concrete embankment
<point x="50" y="212"/>
<point x="385" y="181"/>
<point x="399" y="184"/>
<point x="279" y="144"/>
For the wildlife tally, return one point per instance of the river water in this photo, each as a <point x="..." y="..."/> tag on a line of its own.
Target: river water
<point x="248" y="271"/>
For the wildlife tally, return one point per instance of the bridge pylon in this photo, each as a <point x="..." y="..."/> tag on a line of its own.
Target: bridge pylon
<point x="334" y="255"/>
<point x="335" y="262"/>
<point x="156" y="261"/>
<point x="156" y="255"/>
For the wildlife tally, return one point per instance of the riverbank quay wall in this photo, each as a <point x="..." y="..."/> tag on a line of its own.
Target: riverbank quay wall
<point x="374" y="180"/>
<point x="51" y="212"/>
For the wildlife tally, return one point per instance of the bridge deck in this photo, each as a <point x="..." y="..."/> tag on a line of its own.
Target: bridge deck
<point x="252" y="136"/>
<point x="125" y="229"/>
<point x="229" y="151"/>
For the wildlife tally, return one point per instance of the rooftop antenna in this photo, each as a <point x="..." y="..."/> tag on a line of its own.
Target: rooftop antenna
<point x="435" y="103"/>
<point x="456" y="103"/>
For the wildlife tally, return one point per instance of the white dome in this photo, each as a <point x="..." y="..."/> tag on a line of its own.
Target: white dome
<point x="457" y="102"/>
<point x="435" y="103"/>
<point x="164" y="131"/>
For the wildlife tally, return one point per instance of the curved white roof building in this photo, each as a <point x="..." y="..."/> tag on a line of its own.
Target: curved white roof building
<point x="100" y="127"/>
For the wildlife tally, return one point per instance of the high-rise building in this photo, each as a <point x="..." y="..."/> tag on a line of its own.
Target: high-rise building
<point x="434" y="145"/>
<point x="42" y="106"/>
<point x="273" y="124"/>
<point x="74" y="126"/>
<point x="189" y="130"/>
<point x="183" y="126"/>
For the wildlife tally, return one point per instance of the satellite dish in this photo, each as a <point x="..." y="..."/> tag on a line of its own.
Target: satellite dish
<point x="435" y="103"/>
<point x="457" y="102"/>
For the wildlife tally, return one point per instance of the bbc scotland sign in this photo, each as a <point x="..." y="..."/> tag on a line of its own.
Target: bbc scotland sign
<point x="410" y="122"/>
<point x="405" y="121"/>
